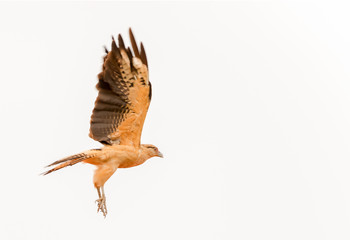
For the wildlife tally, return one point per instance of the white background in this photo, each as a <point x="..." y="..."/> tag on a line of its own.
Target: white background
<point x="251" y="108"/>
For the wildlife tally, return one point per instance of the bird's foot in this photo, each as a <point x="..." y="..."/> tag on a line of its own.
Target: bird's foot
<point x="101" y="206"/>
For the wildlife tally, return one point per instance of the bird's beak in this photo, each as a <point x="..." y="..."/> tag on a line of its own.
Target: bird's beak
<point x="160" y="154"/>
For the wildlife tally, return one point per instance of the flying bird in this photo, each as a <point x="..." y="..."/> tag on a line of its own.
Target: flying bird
<point x="124" y="95"/>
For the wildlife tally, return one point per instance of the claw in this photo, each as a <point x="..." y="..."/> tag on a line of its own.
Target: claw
<point x="101" y="206"/>
<point x="101" y="202"/>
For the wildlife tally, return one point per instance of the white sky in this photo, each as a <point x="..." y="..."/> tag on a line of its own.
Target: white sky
<point x="251" y="108"/>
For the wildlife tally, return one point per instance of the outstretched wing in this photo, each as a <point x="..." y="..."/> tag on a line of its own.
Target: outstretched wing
<point x="124" y="95"/>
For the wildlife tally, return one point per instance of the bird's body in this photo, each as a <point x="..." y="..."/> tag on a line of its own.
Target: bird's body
<point x="117" y="119"/>
<point x="109" y="158"/>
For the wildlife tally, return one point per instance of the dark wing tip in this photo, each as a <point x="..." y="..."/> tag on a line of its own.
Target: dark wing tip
<point x="133" y="44"/>
<point x="129" y="52"/>
<point x="115" y="49"/>
<point x="143" y="55"/>
<point x="105" y="48"/>
<point x="121" y="42"/>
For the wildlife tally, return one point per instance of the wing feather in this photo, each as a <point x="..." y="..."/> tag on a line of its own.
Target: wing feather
<point x="143" y="55"/>
<point x="121" y="42"/>
<point x="133" y="44"/>
<point x="124" y="95"/>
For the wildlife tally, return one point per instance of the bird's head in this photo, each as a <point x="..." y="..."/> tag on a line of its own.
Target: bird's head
<point x="151" y="151"/>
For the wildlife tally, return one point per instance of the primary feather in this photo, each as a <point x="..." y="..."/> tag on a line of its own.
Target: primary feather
<point x="124" y="96"/>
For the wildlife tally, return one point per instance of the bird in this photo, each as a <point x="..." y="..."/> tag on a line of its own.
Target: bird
<point x="124" y="95"/>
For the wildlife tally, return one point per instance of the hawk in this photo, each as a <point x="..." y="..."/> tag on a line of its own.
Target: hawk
<point x="124" y="95"/>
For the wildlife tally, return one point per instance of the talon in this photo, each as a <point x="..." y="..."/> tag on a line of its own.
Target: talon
<point x="101" y="206"/>
<point x="101" y="202"/>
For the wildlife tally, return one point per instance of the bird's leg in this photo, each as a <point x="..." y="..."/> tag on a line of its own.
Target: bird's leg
<point x="101" y="202"/>
<point x="104" y="202"/>
<point x="99" y="192"/>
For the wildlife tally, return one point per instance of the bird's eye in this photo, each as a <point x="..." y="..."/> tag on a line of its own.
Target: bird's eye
<point x="154" y="148"/>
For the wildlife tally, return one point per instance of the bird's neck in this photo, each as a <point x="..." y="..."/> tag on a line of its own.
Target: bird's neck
<point x="144" y="155"/>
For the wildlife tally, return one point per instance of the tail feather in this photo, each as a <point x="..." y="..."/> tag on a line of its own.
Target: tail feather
<point x="70" y="161"/>
<point x="76" y="156"/>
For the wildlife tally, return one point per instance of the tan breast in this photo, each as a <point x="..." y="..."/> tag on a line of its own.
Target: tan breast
<point x="131" y="162"/>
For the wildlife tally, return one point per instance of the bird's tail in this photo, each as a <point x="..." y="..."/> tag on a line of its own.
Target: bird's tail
<point x="71" y="160"/>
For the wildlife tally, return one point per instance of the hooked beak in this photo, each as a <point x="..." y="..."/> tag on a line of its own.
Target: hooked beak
<point x="160" y="155"/>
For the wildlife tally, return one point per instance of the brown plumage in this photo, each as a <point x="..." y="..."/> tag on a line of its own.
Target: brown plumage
<point x="124" y="95"/>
